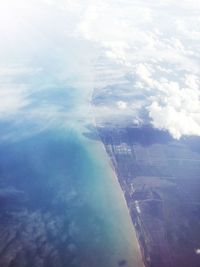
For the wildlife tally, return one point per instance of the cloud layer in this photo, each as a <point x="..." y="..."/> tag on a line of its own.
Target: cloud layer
<point x="149" y="50"/>
<point x="155" y="45"/>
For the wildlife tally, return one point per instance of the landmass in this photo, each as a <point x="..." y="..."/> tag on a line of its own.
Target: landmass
<point x="160" y="180"/>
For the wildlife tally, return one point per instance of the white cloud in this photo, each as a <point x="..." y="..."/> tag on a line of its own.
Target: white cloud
<point x="121" y="105"/>
<point x="178" y="123"/>
<point x="197" y="251"/>
<point x="155" y="44"/>
<point x="144" y="74"/>
<point x="159" y="44"/>
<point x="13" y="98"/>
<point x="10" y="71"/>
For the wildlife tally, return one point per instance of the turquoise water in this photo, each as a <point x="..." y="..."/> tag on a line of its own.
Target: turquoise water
<point x="59" y="195"/>
<point x="60" y="202"/>
<point x="64" y="176"/>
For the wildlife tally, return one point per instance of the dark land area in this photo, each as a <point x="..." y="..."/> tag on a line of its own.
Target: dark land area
<point x="160" y="178"/>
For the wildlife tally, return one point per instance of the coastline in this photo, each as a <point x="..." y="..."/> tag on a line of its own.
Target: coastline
<point x="135" y="231"/>
<point x="139" y="247"/>
<point x="136" y="247"/>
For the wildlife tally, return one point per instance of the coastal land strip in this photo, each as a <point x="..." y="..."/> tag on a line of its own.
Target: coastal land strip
<point x="159" y="177"/>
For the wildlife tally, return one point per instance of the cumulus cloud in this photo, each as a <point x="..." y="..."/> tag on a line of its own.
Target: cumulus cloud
<point x="157" y="44"/>
<point x="178" y="123"/>
<point x="154" y="47"/>
<point x="172" y="102"/>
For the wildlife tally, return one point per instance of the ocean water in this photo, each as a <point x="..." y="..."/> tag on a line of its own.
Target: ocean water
<point x="61" y="200"/>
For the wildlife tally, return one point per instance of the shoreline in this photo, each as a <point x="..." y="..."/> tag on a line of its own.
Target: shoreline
<point x="125" y="202"/>
<point x="136" y="247"/>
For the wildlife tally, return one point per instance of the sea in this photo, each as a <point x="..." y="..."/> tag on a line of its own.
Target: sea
<point x="58" y="186"/>
<point x="60" y="202"/>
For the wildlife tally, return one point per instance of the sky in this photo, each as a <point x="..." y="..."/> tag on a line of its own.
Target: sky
<point x="76" y="46"/>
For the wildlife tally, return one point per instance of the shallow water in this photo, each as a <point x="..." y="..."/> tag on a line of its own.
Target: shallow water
<point x="67" y="178"/>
